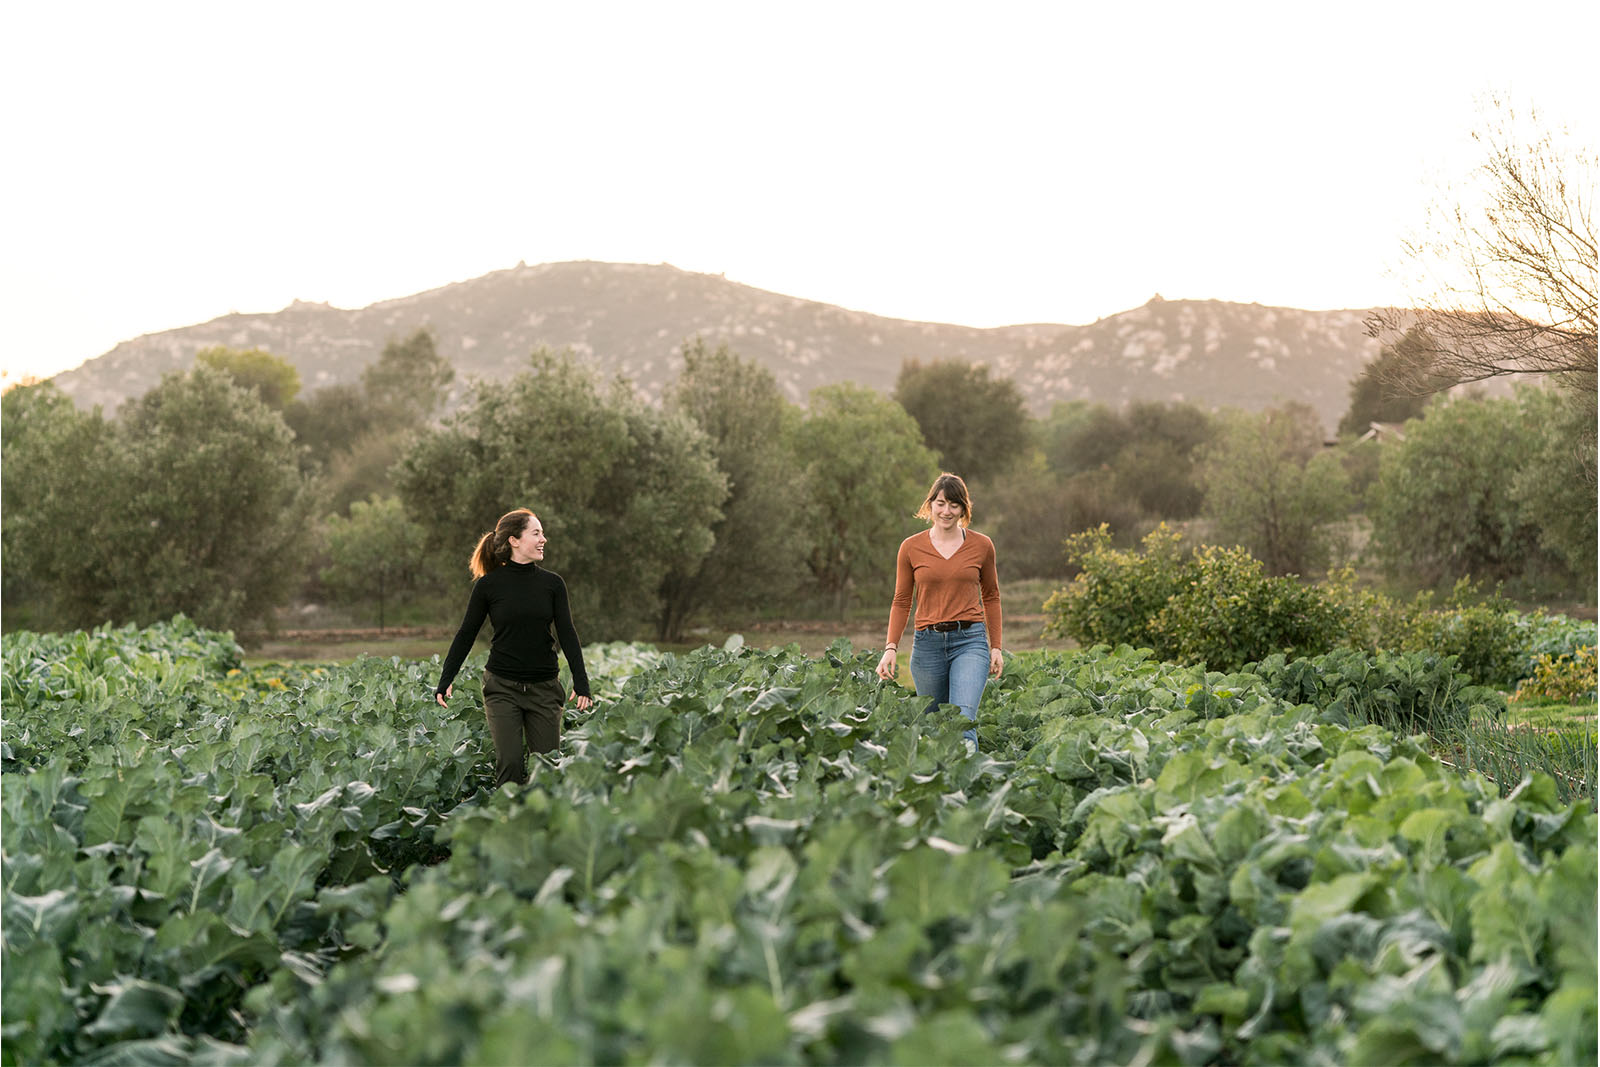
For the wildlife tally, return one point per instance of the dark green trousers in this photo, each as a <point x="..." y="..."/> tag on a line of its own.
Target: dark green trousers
<point x="523" y="717"/>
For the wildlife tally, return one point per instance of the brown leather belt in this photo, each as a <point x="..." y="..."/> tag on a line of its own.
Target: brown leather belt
<point x="946" y="627"/>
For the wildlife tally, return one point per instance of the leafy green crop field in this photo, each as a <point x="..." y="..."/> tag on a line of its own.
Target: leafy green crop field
<point x="747" y="856"/>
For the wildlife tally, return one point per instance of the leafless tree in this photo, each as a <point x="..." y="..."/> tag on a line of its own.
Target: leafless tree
<point x="1507" y="267"/>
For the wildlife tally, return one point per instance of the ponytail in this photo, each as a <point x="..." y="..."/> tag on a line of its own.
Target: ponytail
<point x="494" y="547"/>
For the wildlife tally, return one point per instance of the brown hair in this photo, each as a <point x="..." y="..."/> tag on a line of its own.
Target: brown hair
<point x="494" y="547"/>
<point x="954" y="490"/>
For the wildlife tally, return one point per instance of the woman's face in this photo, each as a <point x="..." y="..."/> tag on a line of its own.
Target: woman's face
<point x="529" y="548"/>
<point x="946" y="514"/>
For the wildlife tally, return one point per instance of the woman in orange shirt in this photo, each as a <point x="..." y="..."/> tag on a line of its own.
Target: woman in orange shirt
<point x="952" y="570"/>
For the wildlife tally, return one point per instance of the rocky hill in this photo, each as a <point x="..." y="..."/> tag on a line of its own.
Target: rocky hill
<point x="631" y="319"/>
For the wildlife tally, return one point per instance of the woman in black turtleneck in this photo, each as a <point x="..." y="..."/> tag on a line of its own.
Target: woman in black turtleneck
<point x="527" y="606"/>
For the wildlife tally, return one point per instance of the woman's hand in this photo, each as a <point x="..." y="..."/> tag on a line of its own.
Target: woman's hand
<point x="996" y="663"/>
<point x="444" y="696"/>
<point x="887" y="665"/>
<point x="583" y="703"/>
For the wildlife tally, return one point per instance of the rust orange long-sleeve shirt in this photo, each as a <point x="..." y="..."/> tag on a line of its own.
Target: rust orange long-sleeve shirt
<point x="965" y="586"/>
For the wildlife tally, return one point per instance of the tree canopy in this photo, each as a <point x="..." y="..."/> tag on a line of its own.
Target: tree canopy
<point x="1443" y="507"/>
<point x="760" y="542"/>
<point x="1272" y="489"/>
<point x="192" y="500"/>
<point x="376" y="554"/>
<point x="1395" y="386"/>
<point x="866" y="472"/>
<point x="626" y="492"/>
<point x="274" y="380"/>
<point x="975" y="424"/>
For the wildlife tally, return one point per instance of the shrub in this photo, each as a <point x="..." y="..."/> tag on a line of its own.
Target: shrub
<point x="1214" y="605"/>
<point x="1230" y="613"/>
<point x="1217" y="606"/>
<point x="1115" y="600"/>
<point x="1443" y="506"/>
<point x="1564" y="679"/>
<point x="1493" y="644"/>
<point x="1376" y="621"/>
<point x="1486" y="641"/>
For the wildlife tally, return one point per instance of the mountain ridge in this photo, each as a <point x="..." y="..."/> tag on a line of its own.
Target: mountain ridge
<point x="631" y="319"/>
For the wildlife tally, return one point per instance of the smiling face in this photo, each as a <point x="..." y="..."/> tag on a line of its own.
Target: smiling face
<point x="529" y="547"/>
<point x="947" y="514"/>
<point x="947" y="503"/>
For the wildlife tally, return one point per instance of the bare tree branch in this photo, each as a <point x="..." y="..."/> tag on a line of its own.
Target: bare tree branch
<point x="1511" y="283"/>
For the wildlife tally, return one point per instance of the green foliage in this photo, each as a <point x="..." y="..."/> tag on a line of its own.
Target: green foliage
<point x="1486" y="638"/>
<point x="1091" y="467"/>
<point x="1229" y="613"/>
<point x="1360" y="460"/>
<point x="274" y="380"/>
<point x="210" y="508"/>
<point x="1159" y="478"/>
<point x="363" y="470"/>
<point x="1080" y="436"/>
<point x="407" y="382"/>
<point x="331" y="420"/>
<point x="1213" y="605"/>
<point x="355" y="434"/>
<point x="56" y="481"/>
<point x="1033" y="511"/>
<point x="173" y="837"/>
<point x="191" y="501"/>
<point x="1553" y="635"/>
<point x="975" y="424"/>
<point x="1037" y="511"/>
<point x="1408" y="692"/>
<point x="1271" y="488"/>
<point x="1216" y="606"/>
<point x="866" y="473"/>
<point x="1563" y="679"/>
<point x="759" y="544"/>
<point x="1118" y="594"/>
<point x="1555" y="490"/>
<point x="1443" y="507"/>
<point x="1395" y="386"/>
<point x="377" y="554"/>
<point x="760" y="857"/>
<point x="626" y="493"/>
<point x="1492" y="643"/>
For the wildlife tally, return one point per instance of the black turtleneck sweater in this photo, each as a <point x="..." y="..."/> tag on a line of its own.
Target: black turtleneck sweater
<point x="527" y="606"/>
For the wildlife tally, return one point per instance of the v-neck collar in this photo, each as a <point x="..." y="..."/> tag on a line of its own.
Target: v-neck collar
<point x="958" y="547"/>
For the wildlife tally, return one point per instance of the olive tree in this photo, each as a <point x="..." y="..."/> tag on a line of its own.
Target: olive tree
<point x="757" y="556"/>
<point x="625" y="492"/>
<point x="274" y="380"/>
<point x="1272" y="488"/>
<point x="975" y="424"/>
<point x="866" y="472"/>
<point x="1444" y="505"/>
<point x="192" y="500"/>
<point x="210" y="509"/>
<point x="1556" y="488"/>
<point x="375" y="553"/>
<point x="55" y="481"/>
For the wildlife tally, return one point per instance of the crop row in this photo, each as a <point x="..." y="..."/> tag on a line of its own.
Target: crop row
<point x="748" y="856"/>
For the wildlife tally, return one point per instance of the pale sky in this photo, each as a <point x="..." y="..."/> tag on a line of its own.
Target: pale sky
<point x="982" y="164"/>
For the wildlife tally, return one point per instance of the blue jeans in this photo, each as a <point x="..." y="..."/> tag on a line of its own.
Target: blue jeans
<point x="951" y="668"/>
